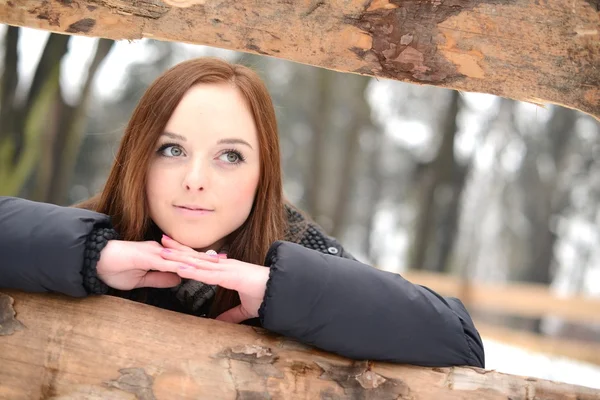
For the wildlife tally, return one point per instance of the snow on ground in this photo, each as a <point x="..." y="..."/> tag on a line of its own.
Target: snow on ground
<point x="518" y="361"/>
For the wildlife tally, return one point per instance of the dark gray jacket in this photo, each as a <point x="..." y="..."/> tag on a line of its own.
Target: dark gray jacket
<point x="331" y="302"/>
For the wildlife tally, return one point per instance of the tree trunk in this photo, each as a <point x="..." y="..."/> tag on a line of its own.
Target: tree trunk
<point x="375" y="194"/>
<point x="474" y="46"/>
<point x="440" y="189"/>
<point x="103" y="347"/>
<point x="359" y="120"/>
<point x="425" y="209"/>
<point x="28" y="126"/>
<point x="19" y="157"/>
<point x="545" y="198"/>
<point x="40" y="136"/>
<point x="320" y="124"/>
<point x="10" y="79"/>
<point x="72" y="126"/>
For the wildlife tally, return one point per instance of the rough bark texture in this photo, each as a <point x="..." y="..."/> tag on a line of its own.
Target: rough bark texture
<point x="542" y="51"/>
<point x="110" y="348"/>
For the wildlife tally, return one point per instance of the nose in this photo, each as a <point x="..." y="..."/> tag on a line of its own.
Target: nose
<point x="196" y="176"/>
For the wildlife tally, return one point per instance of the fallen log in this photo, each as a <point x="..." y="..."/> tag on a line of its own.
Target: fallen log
<point x="540" y="51"/>
<point x="110" y="348"/>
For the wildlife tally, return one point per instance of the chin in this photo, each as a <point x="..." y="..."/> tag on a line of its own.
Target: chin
<point x="194" y="242"/>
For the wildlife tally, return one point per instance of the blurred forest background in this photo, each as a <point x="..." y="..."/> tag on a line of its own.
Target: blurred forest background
<point x="408" y="177"/>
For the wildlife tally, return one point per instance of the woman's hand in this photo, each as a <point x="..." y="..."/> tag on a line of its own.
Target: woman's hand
<point x="126" y="265"/>
<point x="249" y="280"/>
<point x="172" y="244"/>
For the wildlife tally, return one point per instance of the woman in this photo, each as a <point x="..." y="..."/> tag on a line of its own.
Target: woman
<point x="198" y="171"/>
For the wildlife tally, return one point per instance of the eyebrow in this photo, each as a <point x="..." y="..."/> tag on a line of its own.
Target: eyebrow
<point x="174" y="136"/>
<point x="222" y="141"/>
<point x="234" y="141"/>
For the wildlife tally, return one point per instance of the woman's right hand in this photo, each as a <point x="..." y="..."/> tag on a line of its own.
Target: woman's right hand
<point x="126" y="265"/>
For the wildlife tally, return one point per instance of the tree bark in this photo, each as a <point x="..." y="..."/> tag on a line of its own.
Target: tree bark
<point x="531" y="50"/>
<point x="110" y="348"/>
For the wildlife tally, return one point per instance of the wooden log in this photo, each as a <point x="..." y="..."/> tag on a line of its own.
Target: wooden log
<point x="541" y="51"/>
<point x="110" y="348"/>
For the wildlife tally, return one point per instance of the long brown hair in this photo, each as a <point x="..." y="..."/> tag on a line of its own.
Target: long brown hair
<point x="123" y="197"/>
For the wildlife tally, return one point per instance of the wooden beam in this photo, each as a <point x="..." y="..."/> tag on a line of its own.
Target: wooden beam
<point x="540" y="51"/>
<point x="521" y="299"/>
<point x="106" y="347"/>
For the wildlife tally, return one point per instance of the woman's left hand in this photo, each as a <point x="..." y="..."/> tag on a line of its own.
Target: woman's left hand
<point x="249" y="280"/>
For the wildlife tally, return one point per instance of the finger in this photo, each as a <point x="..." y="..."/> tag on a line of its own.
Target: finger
<point x="201" y="260"/>
<point x="174" y="244"/>
<point x="158" y="263"/>
<point x="170" y="243"/>
<point x="205" y="276"/>
<point x="235" y="315"/>
<point x="159" y="280"/>
<point x="196" y="255"/>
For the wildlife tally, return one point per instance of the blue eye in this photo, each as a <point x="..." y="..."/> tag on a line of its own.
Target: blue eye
<point x="170" y="150"/>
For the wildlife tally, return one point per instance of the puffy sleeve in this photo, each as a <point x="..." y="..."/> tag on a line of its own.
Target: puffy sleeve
<point x="357" y="311"/>
<point x="42" y="245"/>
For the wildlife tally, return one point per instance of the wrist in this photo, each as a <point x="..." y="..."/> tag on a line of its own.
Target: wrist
<point x="96" y="242"/>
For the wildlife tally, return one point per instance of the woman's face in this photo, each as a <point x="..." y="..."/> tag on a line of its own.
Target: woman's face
<point x="204" y="174"/>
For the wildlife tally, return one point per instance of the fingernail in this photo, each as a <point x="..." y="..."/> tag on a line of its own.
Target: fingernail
<point x="222" y="255"/>
<point x="166" y="237"/>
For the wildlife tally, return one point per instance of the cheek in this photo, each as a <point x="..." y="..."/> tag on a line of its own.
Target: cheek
<point x="152" y="183"/>
<point x="245" y="190"/>
<point x="158" y="184"/>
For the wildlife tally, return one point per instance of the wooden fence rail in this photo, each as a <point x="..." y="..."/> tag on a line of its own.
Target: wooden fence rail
<point x="521" y="299"/>
<point x="537" y="51"/>
<point x="525" y="300"/>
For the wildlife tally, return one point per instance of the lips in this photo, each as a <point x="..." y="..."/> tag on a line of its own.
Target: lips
<point x="192" y="211"/>
<point x="193" y="208"/>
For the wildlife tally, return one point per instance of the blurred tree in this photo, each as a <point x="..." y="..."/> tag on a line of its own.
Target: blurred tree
<point x="323" y="105"/>
<point x="440" y="183"/>
<point x="359" y="113"/>
<point x="40" y="135"/>
<point x="543" y="186"/>
<point x="545" y="193"/>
